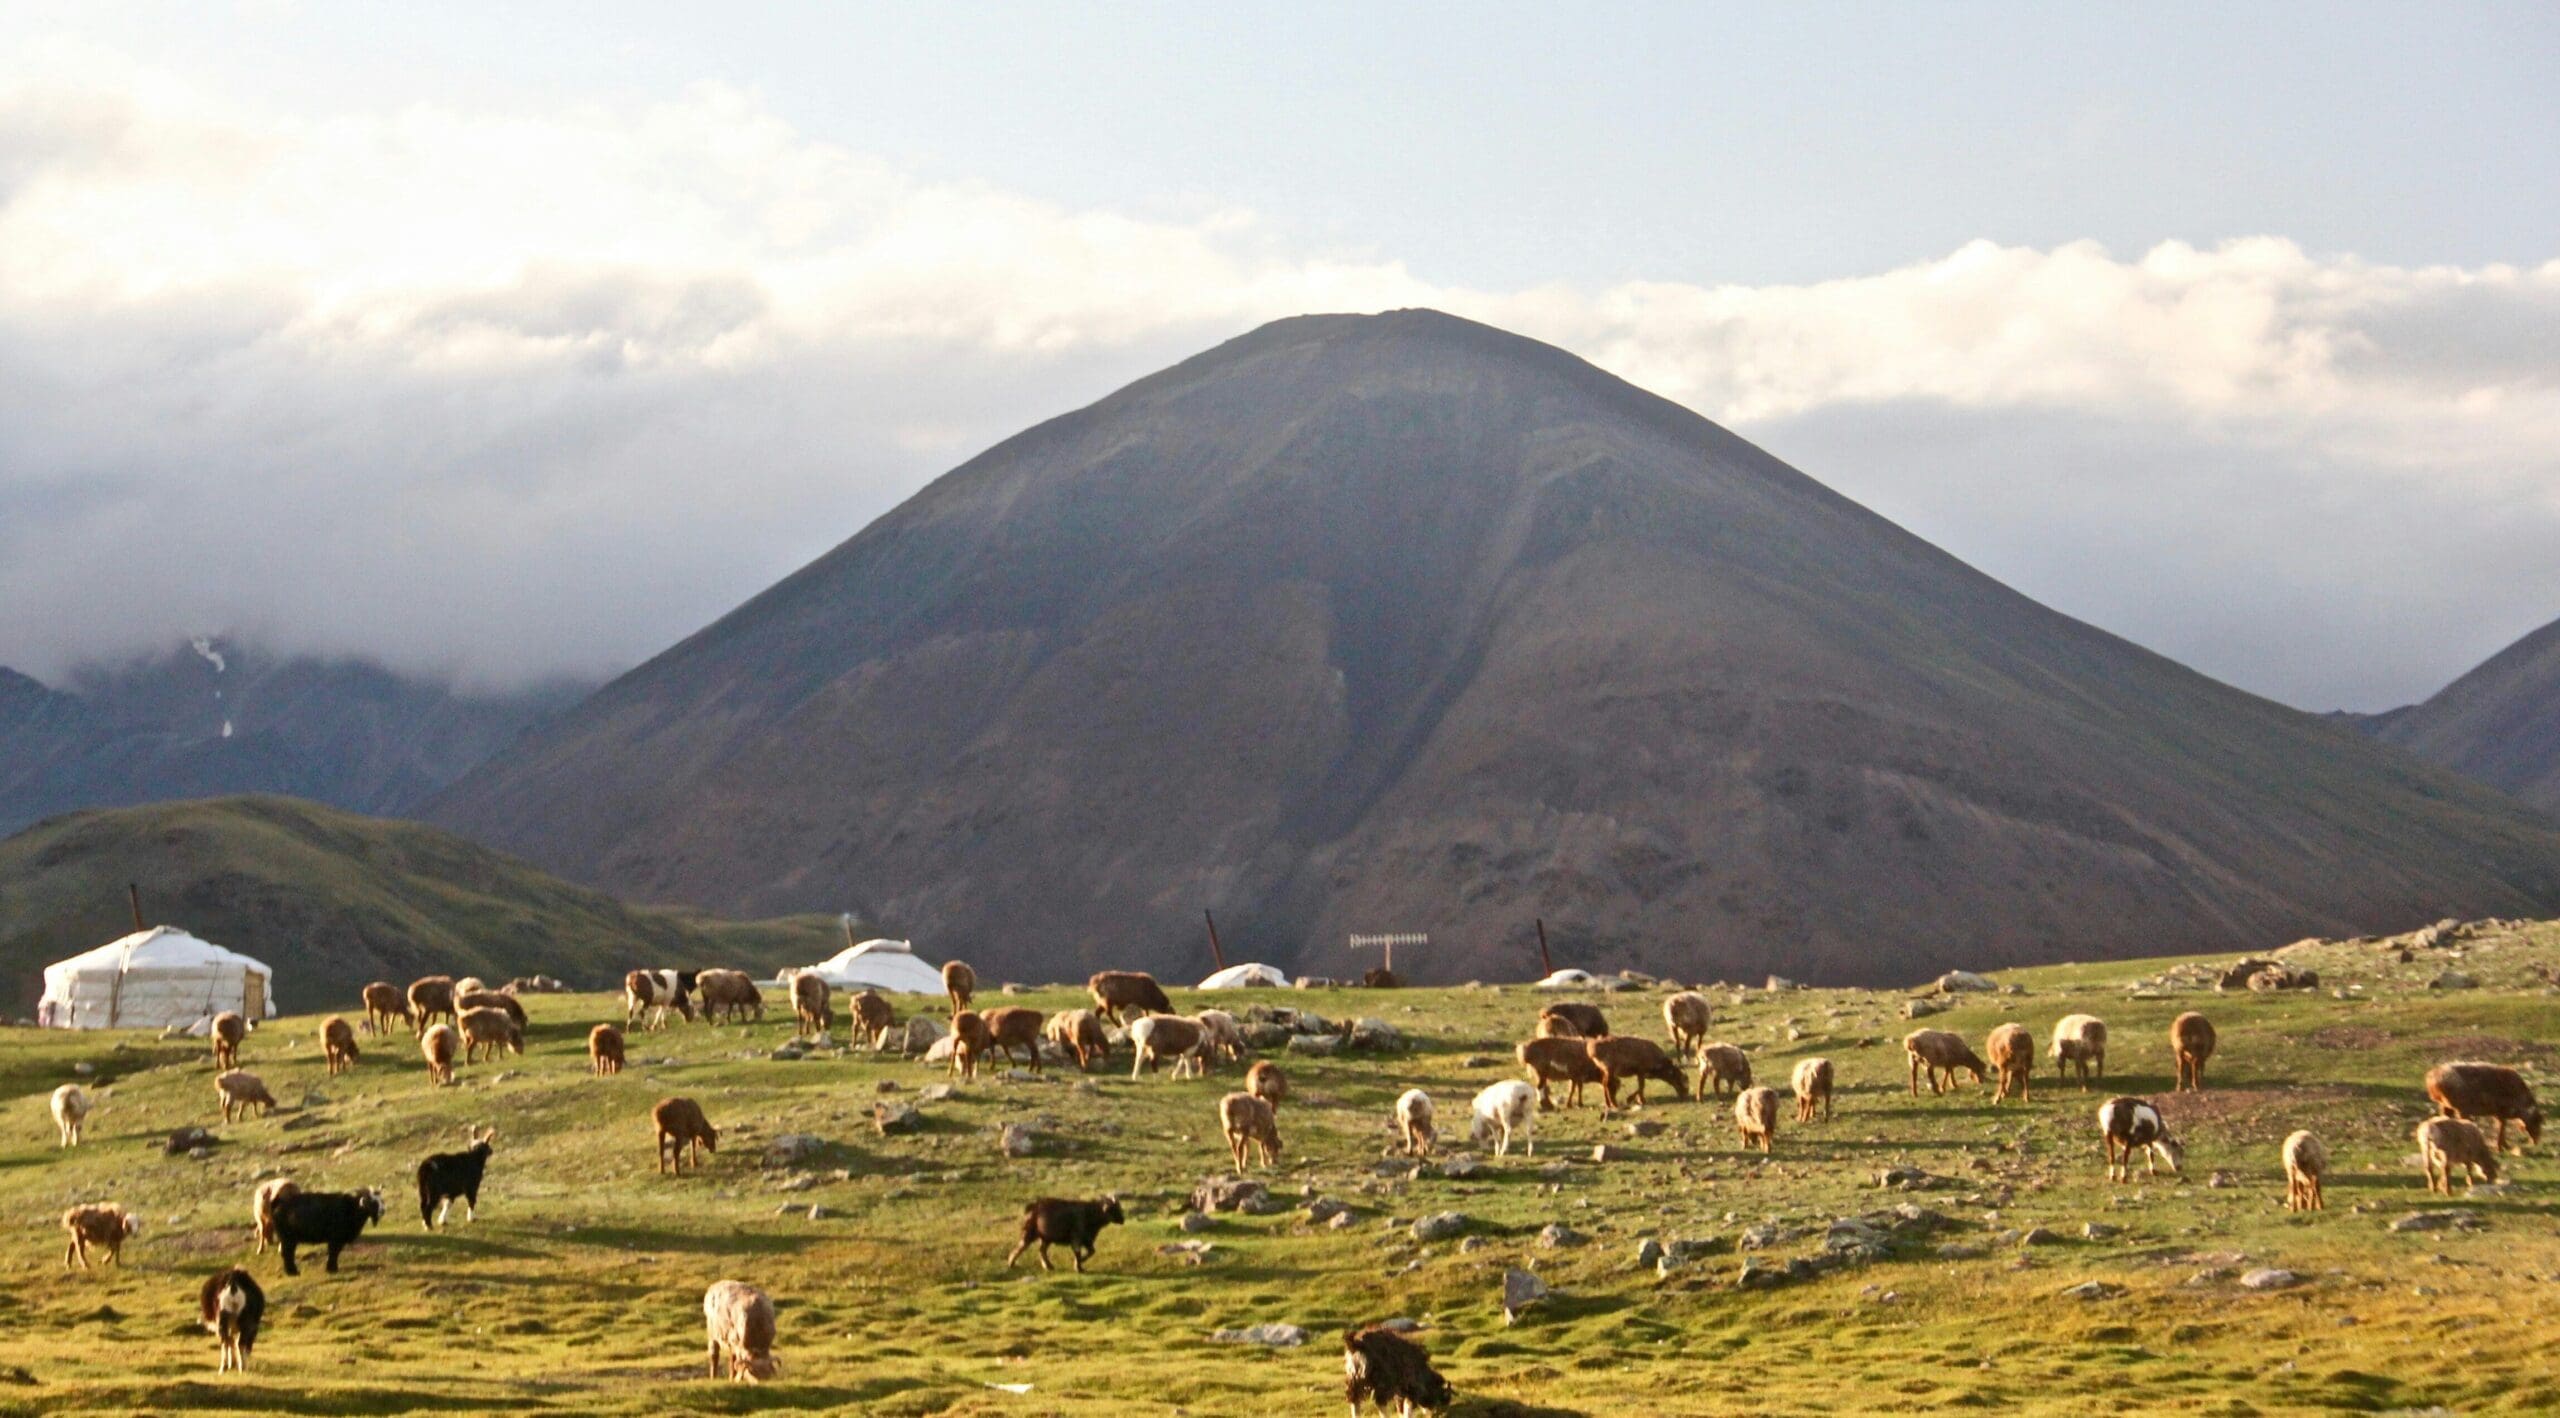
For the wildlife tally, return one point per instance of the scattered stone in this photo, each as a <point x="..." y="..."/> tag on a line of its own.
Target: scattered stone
<point x="1479" y="1061"/>
<point x="1461" y="1167"/>
<point x="1921" y="1007"/>
<point x="1317" y="1044"/>
<point x="1556" y="1236"/>
<point x="1194" y="1222"/>
<point x="1277" y="1336"/>
<point x="2436" y="1221"/>
<point x="936" y="1093"/>
<point x="189" y="1140"/>
<point x="789" y="1051"/>
<point x="1017" y="1140"/>
<point x="2092" y="1290"/>
<point x="1647" y="1127"/>
<point x="1603" y="1152"/>
<point x="1440" y="1226"/>
<point x="2221" y="1180"/>
<point x="1377" y="1035"/>
<point x="2453" y="980"/>
<point x="792" y="1148"/>
<point x="1323" y="1209"/>
<point x="1965" y="982"/>
<point x="1520" y="1290"/>
<point x="1755" y="1276"/>
<point x="2270" y="1278"/>
<point x="1472" y="1244"/>
<point x="886" y="1085"/>
<point x="890" y="1118"/>
<point x="1907" y="1179"/>
<point x="941" y="1050"/>
<point x="2040" y="1236"/>
<point x="1228" y="1194"/>
<point x="819" y="1213"/>
<point x="1649" y="1252"/>
<point x="2099" y="1231"/>
<point x="1342" y="1221"/>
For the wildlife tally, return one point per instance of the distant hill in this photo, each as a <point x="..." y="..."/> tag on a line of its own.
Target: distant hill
<point x="216" y="718"/>
<point x="332" y="900"/>
<point x="2499" y="724"/>
<point x="1399" y="622"/>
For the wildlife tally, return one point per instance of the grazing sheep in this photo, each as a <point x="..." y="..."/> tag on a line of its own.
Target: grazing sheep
<point x="469" y="985"/>
<point x="1011" y="1027"/>
<point x="338" y="1042"/>
<point x="1166" y="1036"/>
<point x="654" y="992"/>
<point x="2445" y="1144"/>
<point x="680" y="1123"/>
<point x="2131" y="1125"/>
<point x="1552" y="1060"/>
<point x="1265" y="1081"/>
<point x="232" y="1306"/>
<point x="1755" y="1112"/>
<point x="873" y="1017"/>
<point x="2080" y="1042"/>
<point x="604" y="1050"/>
<point x="439" y="1044"/>
<point x="960" y="982"/>
<point x="469" y="1000"/>
<point x="2480" y="1091"/>
<point x="2013" y="1056"/>
<point x="1076" y="1225"/>
<point x="2305" y="1162"/>
<point x="1812" y="1080"/>
<point x="447" y="1177"/>
<point x="811" y="1008"/>
<point x="728" y="994"/>
<point x="1220" y="1036"/>
<point x="970" y="1042"/>
<point x="492" y="1030"/>
<point x="739" y="1319"/>
<point x="1414" y="1124"/>
<point x="1572" y="1019"/>
<point x="430" y="998"/>
<point x="1079" y="1032"/>
<point x="241" y="1091"/>
<point x="330" y="1219"/>
<point x="1380" y="1365"/>
<point x="2191" y="1041"/>
<point x="1723" y="1066"/>
<point x="1123" y="995"/>
<point x="1687" y="1015"/>
<point x="70" y="1108"/>
<point x="229" y="1029"/>
<point x="1940" y="1053"/>
<point x="1624" y="1057"/>
<point x="262" y="1209"/>
<point x="383" y="1003"/>
<point x="1249" y="1121"/>
<point x="1506" y="1108"/>
<point x="102" y="1224"/>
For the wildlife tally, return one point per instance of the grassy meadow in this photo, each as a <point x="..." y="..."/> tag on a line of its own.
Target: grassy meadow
<point x="579" y="1288"/>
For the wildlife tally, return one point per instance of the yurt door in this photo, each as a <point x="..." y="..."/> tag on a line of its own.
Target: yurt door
<point x="253" y="995"/>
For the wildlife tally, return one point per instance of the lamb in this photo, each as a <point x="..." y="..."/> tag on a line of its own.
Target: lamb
<point x="680" y="1122"/>
<point x="2305" y="1162"/>
<point x="654" y="992"/>
<point x="728" y="994"/>
<point x="810" y="1008"/>
<point x="1724" y="1066"/>
<point x="604" y="1050"/>
<point x="232" y="1306"/>
<point x="1166" y="1036"/>
<point x="70" y="1108"/>
<point x="1941" y="1054"/>
<point x="1553" y="1060"/>
<point x="1755" y="1112"/>
<point x="1687" y="1015"/>
<point x="1414" y="1124"/>
<point x="241" y="1091"/>
<point x="338" y="1041"/>
<point x="469" y="1000"/>
<point x="262" y="1209"/>
<point x="1123" y="995"/>
<point x="873" y="1017"/>
<point x="102" y="1224"/>
<point x="489" y="1029"/>
<point x="970" y="1041"/>
<point x="229" y="1029"/>
<point x="330" y="1219"/>
<point x="1079" y="1032"/>
<point x="1220" y="1036"/>
<point x="2131" y="1125"/>
<point x="1623" y="1057"/>
<point x="430" y="997"/>
<point x="1012" y="1027"/>
<point x="383" y="1003"/>
<point x="1076" y="1225"/>
<point x="2445" y="1144"/>
<point x="1249" y="1121"/>
<point x="1812" y="1082"/>
<point x="2191" y="1041"/>
<point x="439" y="1044"/>
<point x="449" y="1176"/>
<point x="2013" y="1056"/>
<point x="1506" y="1108"/>
<point x="1572" y="1019"/>
<point x="1265" y="1081"/>
<point x="2481" y="1091"/>
<point x="2080" y="1042"/>
<point x="960" y="982"/>
<point x="1380" y="1365"/>
<point x="739" y="1319"/>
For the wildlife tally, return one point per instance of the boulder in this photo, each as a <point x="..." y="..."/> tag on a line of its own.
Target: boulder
<point x="917" y="1035"/>
<point x="1556" y="1236"/>
<point x="2270" y="1278"/>
<point x="1965" y="982"/>
<point x="1376" y="1035"/>
<point x="1324" y="1209"/>
<point x="1228" y="1194"/>
<point x="1194" y="1222"/>
<point x="1318" y="1044"/>
<point x="2453" y="980"/>
<point x="1649" y="1252"/>
<point x="188" y="1140"/>
<point x="941" y="1050"/>
<point x="2092" y="1290"/>
<point x="793" y="1148"/>
<point x="936" y="1093"/>
<point x="1441" y="1226"/>
<point x="1520" y="1290"/>
<point x="2237" y="977"/>
<point x="1277" y="1336"/>
<point x="1921" y="1007"/>
<point x="1016" y="1140"/>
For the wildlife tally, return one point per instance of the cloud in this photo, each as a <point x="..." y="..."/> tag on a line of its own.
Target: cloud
<point x="508" y="392"/>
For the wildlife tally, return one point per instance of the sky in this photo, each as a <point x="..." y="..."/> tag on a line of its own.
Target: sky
<point x="503" y="342"/>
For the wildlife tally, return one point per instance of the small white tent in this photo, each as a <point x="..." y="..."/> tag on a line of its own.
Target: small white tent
<point x="877" y="965"/>
<point x="1246" y="977"/>
<point x="153" y="979"/>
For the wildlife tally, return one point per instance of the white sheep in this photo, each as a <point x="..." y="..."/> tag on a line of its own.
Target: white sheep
<point x="739" y="1319"/>
<point x="1220" y="1035"/>
<point x="2305" y="1162"/>
<point x="2080" y="1041"/>
<point x="1507" y="1108"/>
<point x="1413" y="1122"/>
<point x="70" y="1106"/>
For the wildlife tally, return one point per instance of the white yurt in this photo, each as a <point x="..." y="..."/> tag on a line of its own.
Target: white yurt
<point x="877" y="965"/>
<point x="153" y="979"/>
<point x="1568" y="980"/>
<point x="1255" y="976"/>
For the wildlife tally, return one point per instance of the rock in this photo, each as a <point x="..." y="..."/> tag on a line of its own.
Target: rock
<point x="793" y="1148"/>
<point x="1307" y="1021"/>
<point x="1649" y="1252"/>
<point x="1605" y="1153"/>
<point x="1780" y="982"/>
<point x="790" y="1050"/>
<point x="941" y="1050"/>
<point x="1647" y="1127"/>
<point x="1461" y="1167"/>
<point x="1685" y="1252"/>
<point x="1965" y="982"/>
<point x="2092" y="1290"/>
<point x="2436" y="1221"/>
<point x="1520" y="1290"/>
<point x="2221" y="1180"/>
<point x="886" y="1085"/>
<point x="2453" y="980"/>
<point x="1342" y="1222"/>
<point x="890" y="1118"/>
<point x="1191" y="1252"/>
<point x="2237" y="977"/>
<point x="1556" y="1236"/>
<point x="1323" y="1209"/>
<point x="936" y="1093"/>
<point x="2040" y="1236"/>
<point x="819" y="1213"/>
<point x="2270" y="1278"/>
<point x="1857" y="1237"/>
<point x="1907" y="1179"/>
<point x="2099" y="1230"/>
<point x="918" y="1035"/>
<point x="1377" y="1035"/>
<point x="188" y="1140"/>
<point x="1920" y="1007"/>
<point x="85" y="1069"/>
<point x="1228" y="1194"/>
<point x="1193" y="1222"/>
<point x="1755" y="1276"/>
<point x="1016" y="1140"/>
<point x="1267" y="1035"/>
<point x="1278" y="1336"/>
<point x="1480" y="1061"/>
<point x="1440" y="1226"/>
<point x="1320" y="1045"/>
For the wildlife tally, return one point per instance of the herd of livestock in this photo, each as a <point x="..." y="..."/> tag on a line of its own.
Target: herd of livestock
<point x="1572" y="1047"/>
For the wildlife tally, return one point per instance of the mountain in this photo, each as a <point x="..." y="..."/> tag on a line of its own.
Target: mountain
<point x="332" y="900"/>
<point x="1403" y="623"/>
<point x="2499" y="724"/>
<point x="211" y="718"/>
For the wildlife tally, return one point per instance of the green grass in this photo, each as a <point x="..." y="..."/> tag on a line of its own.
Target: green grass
<point x="579" y="1288"/>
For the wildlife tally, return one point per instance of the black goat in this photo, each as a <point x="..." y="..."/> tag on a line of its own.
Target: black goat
<point x="1381" y="1365"/>
<point x="448" y="1176"/>
<point x="331" y="1219"/>
<point x="1055" y="1221"/>
<point x="231" y="1305"/>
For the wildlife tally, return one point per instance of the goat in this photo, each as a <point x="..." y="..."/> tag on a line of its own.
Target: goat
<point x="1079" y="1032"/>
<point x="728" y="994"/>
<point x="229" y="1029"/>
<point x="1123" y="995"/>
<point x="338" y="1042"/>
<point x="2305" y="1162"/>
<point x="1248" y="1121"/>
<point x="2481" y="1091"/>
<point x="739" y="1319"/>
<point x="1572" y="1019"/>
<point x="330" y="1219"/>
<point x="430" y="997"/>
<point x="960" y="982"/>
<point x="1552" y="1060"/>
<point x="873" y="1017"/>
<point x="70" y="1109"/>
<point x="1812" y="1080"/>
<point x="2445" y="1144"/>
<point x="102" y="1224"/>
<point x="241" y="1091"/>
<point x="654" y="992"/>
<point x="2131" y="1125"/>
<point x="1265" y="1081"/>
<point x="1506" y="1108"/>
<point x="1687" y="1015"/>
<point x="2012" y="1051"/>
<point x="1940" y="1054"/>
<point x="1076" y="1225"/>
<point x="970" y="1042"/>
<point x="1166" y="1036"/>
<point x="449" y="1176"/>
<point x="1011" y="1027"/>
<point x="1623" y="1057"/>
<point x="469" y="1000"/>
<point x="2191" y="1041"/>
<point x="1755" y="1112"/>
<point x="2080" y="1042"/>
<point x="1724" y="1066"/>
<point x="811" y="1008"/>
<point x="232" y="1306"/>
<point x="680" y="1122"/>
<point x="1380" y="1365"/>
<point x="489" y="1029"/>
<point x="1414" y="1123"/>
<point x="604" y="1050"/>
<point x="383" y="1003"/>
<point x="262" y="1209"/>
<point x="438" y="1045"/>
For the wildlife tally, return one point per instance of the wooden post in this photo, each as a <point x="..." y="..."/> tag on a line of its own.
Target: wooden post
<point x="133" y="895"/>
<point x="847" y="918"/>
<point x="1216" y="952"/>
<point x="1544" y="958"/>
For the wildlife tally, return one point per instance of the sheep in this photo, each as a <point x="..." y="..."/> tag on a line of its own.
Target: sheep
<point x="1166" y="1036"/>
<point x="1380" y="1365"/>
<point x="970" y="1042"/>
<point x="1687" y="1015"/>
<point x="1551" y="1060"/>
<point x="229" y="1029"/>
<point x="1249" y="1121"/>
<point x="654" y="992"/>
<point x="338" y="1042"/>
<point x="1940" y="1053"/>
<point x="1572" y="1019"/>
<point x="728" y="994"/>
<point x="1812" y="1080"/>
<point x="680" y="1122"/>
<point x="1506" y="1108"/>
<point x="383" y="1003"/>
<point x="1414" y="1123"/>
<point x="102" y="1224"/>
<point x="2445" y="1144"/>
<point x="1011" y="1027"/>
<point x="492" y="1030"/>
<point x="447" y="1176"/>
<point x="2305" y="1162"/>
<point x="1076" y="1225"/>
<point x="241" y="1091"/>
<point x="330" y="1219"/>
<point x="262" y="1209"/>
<point x="1123" y="995"/>
<point x="430" y="997"/>
<point x="1265" y="1081"/>
<point x="739" y="1319"/>
<point x="1723" y="1066"/>
<point x="2080" y="1042"/>
<point x="70" y="1109"/>
<point x="1079" y="1032"/>
<point x="1220" y="1036"/>
<point x="604" y="1051"/>
<point x="469" y="985"/>
<point x="232" y="1306"/>
<point x="2012" y="1051"/>
<point x="2481" y="1091"/>
<point x="1755" y="1112"/>
<point x="873" y="1017"/>
<point x="810" y="1007"/>
<point x="2191" y="1041"/>
<point x="2131" y="1125"/>
<point x="1623" y="1057"/>
<point x="438" y="1045"/>
<point x="960" y="982"/>
<point x="469" y="1000"/>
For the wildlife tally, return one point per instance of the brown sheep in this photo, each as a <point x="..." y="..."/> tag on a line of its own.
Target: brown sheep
<point x="960" y="982"/>
<point x="1624" y="1057"/>
<point x="970" y="1041"/>
<point x="604" y="1051"/>
<point x="439" y="1044"/>
<point x="1265" y="1081"/>
<point x="2191" y="1041"/>
<point x="1123" y="995"/>
<point x="1755" y="1113"/>
<point x="1812" y="1082"/>
<point x="874" y="1017"/>
<point x="680" y="1124"/>
<point x="1723" y="1066"/>
<point x="383" y="1003"/>
<point x="1079" y="1032"/>
<point x="1572" y="1019"/>
<point x="728" y="994"/>
<point x="1414" y="1123"/>
<point x="262" y="1209"/>
<point x="102" y="1224"/>
<point x="1687" y="1014"/>
<point x="492" y="1030"/>
<point x="2305" y="1162"/>
<point x="1011" y="1027"/>
<point x="338" y="1041"/>
<point x="739" y="1319"/>
<point x="241" y="1091"/>
<point x="469" y="1000"/>
<point x="812" y="1006"/>
<point x="2446" y="1145"/>
<point x="2481" y="1091"/>
<point x="2013" y="1056"/>
<point x="429" y="999"/>
<point x="1940" y="1053"/>
<point x="1249" y="1121"/>
<point x="229" y="1029"/>
<point x="1552" y="1060"/>
<point x="2080" y="1042"/>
